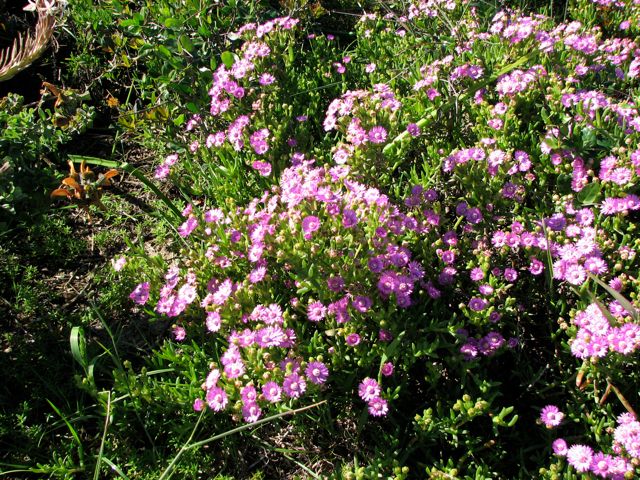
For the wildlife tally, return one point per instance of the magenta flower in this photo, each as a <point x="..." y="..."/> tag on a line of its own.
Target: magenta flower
<point x="317" y="372"/>
<point x="263" y="168"/>
<point x="310" y="224"/>
<point x="478" y="304"/>
<point x="377" y="134"/>
<point x="272" y="392"/>
<point x="560" y="447"/>
<point x="198" y="405"/>
<point x="579" y="457"/>
<point x="368" y="389"/>
<point x="251" y="412"/>
<point x="378" y="407"/>
<point x="387" y="369"/>
<point x="217" y="399"/>
<point x="353" y="339"/>
<point x="179" y="333"/>
<point x="316" y="311"/>
<point x="140" y="294"/>
<point x="551" y="416"/>
<point x="294" y="385"/>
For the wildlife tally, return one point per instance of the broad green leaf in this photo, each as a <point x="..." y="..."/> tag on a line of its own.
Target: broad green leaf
<point x="227" y="59"/>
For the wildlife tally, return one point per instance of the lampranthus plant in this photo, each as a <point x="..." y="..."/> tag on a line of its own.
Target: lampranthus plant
<point x="517" y="228"/>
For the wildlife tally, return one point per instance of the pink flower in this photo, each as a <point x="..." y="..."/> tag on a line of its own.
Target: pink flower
<point x="377" y="134"/>
<point x="368" y="389"/>
<point x="316" y="311"/>
<point x="272" y="392"/>
<point x="188" y="226"/>
<point x="263" y="168"/>
<point x="551" y="416"/>
<point x="387" y="369"/>
<point x="118" y="263"/>
<point x="213" y="321"/>
<point x="294" y="385"/>
<point x="179" y="333"/>
<point x="310" y="224"/>
<point x="378" y="407"/>
<point x="559" y="447"/>
<point x="140" y="294"/>
<point x="216" y="399"/>
<point x="198" y="404"/>
<point x="579" y="457"/>
<point x="251" y="412"/>
<point x="317" y="372"/>
<point x="353" y="339"/>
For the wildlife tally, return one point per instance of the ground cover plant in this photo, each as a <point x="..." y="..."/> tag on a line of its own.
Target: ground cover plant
<point x="392" y="240"/>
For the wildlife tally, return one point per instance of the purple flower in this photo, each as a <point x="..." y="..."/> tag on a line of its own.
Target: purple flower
<point x="387" y="369"/>
<point x="294" y="385"/>
<point x="216" y="399"/>
<point x="560" y="447"/>
<point x="272" y="392"/>
<point x="251" y="412"/>
<point x="579" y="457"/>
<point x="469" y="351"/>
<point x="551" y="416"/>
<point x="335" y="283"/>
<point x="377" y="134"/>
<point x="310" y="224"/>
<point x="473" y="215"/>
<point x="317" y="372"/>
<point x="263" y="168"/>
<point x="316" y="311"/>
<point x="368" y="389"/>
<point x="378" y="407"/>
<point x="387" y="283"/>
<point x="349" y="218"/>
<point x="198" y="405"/>
<point x="385" y="335"/>
<point x="353" y="339"/>
<point x="140" y="294"/>
<point x="477" y="304"/>
<point x="179" y="333"/>
<point x="362" y="304"/>
<point x="413" y="129"/>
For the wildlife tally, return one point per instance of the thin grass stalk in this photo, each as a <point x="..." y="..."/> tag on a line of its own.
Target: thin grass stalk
<point x="188" y="445"/>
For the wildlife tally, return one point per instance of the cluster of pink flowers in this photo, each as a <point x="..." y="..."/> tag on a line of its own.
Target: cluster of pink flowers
<point x="518" y="81"/>
<point x="487" y="345"/>
<point x="617" y="465"/>
<point x="596" y="336"/>
<point x="369" y="391"/>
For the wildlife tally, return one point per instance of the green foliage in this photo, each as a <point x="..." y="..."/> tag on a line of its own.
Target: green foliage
<point x="29" y="144"/>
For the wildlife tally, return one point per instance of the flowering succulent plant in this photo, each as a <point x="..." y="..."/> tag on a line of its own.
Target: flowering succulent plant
<point x="405" y="236"/>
